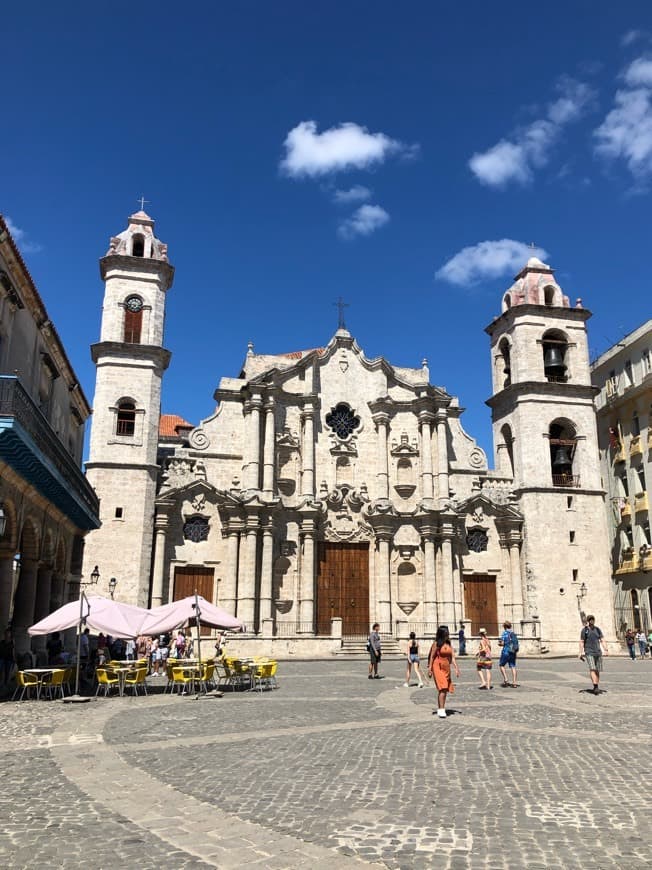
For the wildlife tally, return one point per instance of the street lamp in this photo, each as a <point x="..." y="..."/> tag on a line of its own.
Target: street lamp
<point x="112" y="584"/>
<point x="95" y="576"/>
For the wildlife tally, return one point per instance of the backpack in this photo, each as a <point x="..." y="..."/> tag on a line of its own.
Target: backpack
<point x="513" y="642"/>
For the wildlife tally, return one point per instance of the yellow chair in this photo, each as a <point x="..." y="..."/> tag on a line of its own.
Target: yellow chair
<point x="136" y="678"/>
<point x="26" y="682"/>
<point x="182" y="678"/>
<point x="273" y="667"/>
<point x="106" y="680"/>
<point x="53" y="683"/>
<point x="207" y="676"/>
<point x="243" y="674"/>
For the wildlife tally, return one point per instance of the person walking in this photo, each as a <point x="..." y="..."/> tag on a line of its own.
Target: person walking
<point x="630" y="640"/>
<point x="440" y="659"/>
<point x="374" y="649"/>
<point x="592" y="645"/>
<point x="642" y="642"/>
<point x="413" y="661"/>
<point x="461" y="641"/>
<point x="7" y="657"/>
<point x="509" y="643"/>
<point x="484" y="663"/>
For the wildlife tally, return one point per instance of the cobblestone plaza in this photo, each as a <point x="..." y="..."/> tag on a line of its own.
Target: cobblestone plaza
<point x="334" y="770"/>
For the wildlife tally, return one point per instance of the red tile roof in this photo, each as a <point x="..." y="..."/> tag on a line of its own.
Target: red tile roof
<point x="169" y="425"/>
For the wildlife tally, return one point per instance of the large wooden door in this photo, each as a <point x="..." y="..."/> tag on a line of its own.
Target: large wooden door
<point x="480" y="603"/>
<point x="343" y="587"/>
<point x="191" y="579"/>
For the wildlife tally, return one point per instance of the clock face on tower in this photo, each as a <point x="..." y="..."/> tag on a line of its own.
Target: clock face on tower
<point x="134" y="303"/>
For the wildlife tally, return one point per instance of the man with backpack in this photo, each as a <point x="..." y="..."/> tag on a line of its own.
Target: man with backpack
<point x="509" y="643"/>
<point x="592" y="646"/>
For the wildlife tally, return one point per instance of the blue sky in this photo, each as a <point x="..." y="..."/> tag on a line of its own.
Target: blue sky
<point x="292" y="153"/>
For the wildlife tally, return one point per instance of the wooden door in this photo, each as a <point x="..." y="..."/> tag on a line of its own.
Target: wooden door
<point x="191" y="579"/>
<point x="480" y="603"/>
<point x="343" y="587"/>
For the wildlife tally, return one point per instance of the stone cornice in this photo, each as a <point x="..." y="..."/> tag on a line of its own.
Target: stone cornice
<point x="547" y="311"/>
<point x="543" y="388"/>
<point x="132" y="266"/>
<point x="151" y="352"/>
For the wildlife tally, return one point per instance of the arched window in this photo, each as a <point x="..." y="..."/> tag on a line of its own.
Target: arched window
<point x="133" y="320"/>
<point x="507" y="452"/>
<point x="563" y="441"/>
<point x="555" y="348"/>
<point x="507" y="301"/>
<point x="138" y="246"/>
<point x="503" y="347"/>
<point x="126" y="424"/>
<point x="549" y="295"/>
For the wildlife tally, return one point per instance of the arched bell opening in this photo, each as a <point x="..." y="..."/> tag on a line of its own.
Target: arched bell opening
<point x="563" y="442"/>
<point x="555" y="350"/>
<point x="505" y="358"/>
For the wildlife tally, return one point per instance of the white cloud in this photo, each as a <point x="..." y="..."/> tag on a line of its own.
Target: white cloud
<point x="626" y="132"/>
<point x="486" y="261"/>
<point x="357" y="193"/>
<point x="349" y="146"/>
<point x="514" y="159"/>
<point x="363" y="222"/>
<point x="20" y="237"/>
<point x="631" y="36"/>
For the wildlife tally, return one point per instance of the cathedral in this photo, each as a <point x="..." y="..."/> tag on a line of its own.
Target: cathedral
<point x="328" y="490"/>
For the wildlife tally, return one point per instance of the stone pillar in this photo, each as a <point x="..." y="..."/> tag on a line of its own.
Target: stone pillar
<point x="252" y="468"/>
<point x="229" y="585"/>
<point x="268" y="450"/>
<point x="381" y="419"/>
<point x="308" y="453"/>
<point x="425" y="418"/>
<point x="442" y="453"/>
<point x="42" y="605"/>
<point x="430" y="581"/>
<point x="6" y="588"/>
<point x="247" y="575"/>
<point x="307" y="582"/>
<point x="24" y="601"/>
<point x="447" y="608"/>
<point x="56" y="592"/>
<point x="266" y="572"/>
<point x="158" y="571"/>
<point x="516" y="583"/>
<point x="384" y="605"/>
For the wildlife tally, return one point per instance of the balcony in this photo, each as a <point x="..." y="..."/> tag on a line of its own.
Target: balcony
<point x="635" y="446"/>
<point x="29" y="445"/>
<point x="566" y="480"/>
<point x="629" y="562"/>
<point x="641" y="502"/>
<point x="625" y="511"/>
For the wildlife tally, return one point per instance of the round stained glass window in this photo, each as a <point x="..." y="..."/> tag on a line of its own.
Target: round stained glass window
<point x="342" y="421"/>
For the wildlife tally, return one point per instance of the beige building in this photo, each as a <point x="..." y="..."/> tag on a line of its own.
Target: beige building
<point x="328" y="490"/>
<point x="623" y="376"/>
<point x="46" y="504"/>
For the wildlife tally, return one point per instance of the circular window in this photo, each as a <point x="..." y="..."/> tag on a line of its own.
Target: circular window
<point x="342" y="421"/>
<point x="134" y="303"/>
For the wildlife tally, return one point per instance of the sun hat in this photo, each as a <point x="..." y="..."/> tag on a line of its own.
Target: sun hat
<point x="482" y="631"/>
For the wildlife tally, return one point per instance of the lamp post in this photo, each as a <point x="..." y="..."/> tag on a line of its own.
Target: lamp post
<point x="93" y="580"/>
<point x="112" y="584"/>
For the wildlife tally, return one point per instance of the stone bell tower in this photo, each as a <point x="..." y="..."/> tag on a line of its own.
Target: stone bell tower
<point x="545" y="440"/>
<point x="130" y="360"/>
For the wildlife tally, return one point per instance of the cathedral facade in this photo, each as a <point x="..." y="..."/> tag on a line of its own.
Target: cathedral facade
<point x="329" y="491"/>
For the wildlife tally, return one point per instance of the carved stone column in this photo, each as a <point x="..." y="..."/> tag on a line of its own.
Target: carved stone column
<point x="442" y="453"/>
<point x="268" y="449"/>
<point x="251" y="474"/>
<point x="430" y="580"/>
<point x="308" y="452"/>
<point x="384" y="604"/>
<point x="247" y="574"/>
<point x="447" y="607"/>
<point x="229" y="585"/>
<point x="307" y="581"/>
<point x="161" y="522"/>
<point x="266" y="572"/>
<point x="381" y="419"/>
<point x="425" y="419"/>
<point x="516" y="582"/>
<point x="24" y="605"/>
<point x="6" y="587"/>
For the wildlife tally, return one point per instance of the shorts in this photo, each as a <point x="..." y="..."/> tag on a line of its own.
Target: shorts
<point x="507" y="658"/>
<point x="373" y="658"/>
<point x="414" y="658"/>
<point x="594" y="662"/>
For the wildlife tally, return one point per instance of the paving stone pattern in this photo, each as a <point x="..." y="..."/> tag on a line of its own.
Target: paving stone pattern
<point x="334" y="770"/>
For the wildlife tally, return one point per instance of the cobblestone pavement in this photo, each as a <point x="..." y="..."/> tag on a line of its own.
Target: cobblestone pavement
<point x="334" y="770"/>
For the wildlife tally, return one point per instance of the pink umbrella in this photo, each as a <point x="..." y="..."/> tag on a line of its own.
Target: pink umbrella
<point x="101" y="614"/>
<point x="178" y="613"/>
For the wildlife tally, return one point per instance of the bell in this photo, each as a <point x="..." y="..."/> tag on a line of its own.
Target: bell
<point x="553" y="358"/>
<point x="562" y="459"/>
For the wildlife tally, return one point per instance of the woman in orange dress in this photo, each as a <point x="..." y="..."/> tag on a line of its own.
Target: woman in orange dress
<point x="440" y="659"/>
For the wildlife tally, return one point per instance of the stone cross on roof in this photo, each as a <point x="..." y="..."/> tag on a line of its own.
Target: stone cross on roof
<point x="341" y="305"/>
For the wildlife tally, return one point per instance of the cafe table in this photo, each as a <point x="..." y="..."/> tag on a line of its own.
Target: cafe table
<point x="40" y="674"/>
<point x="121" y="674"/>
